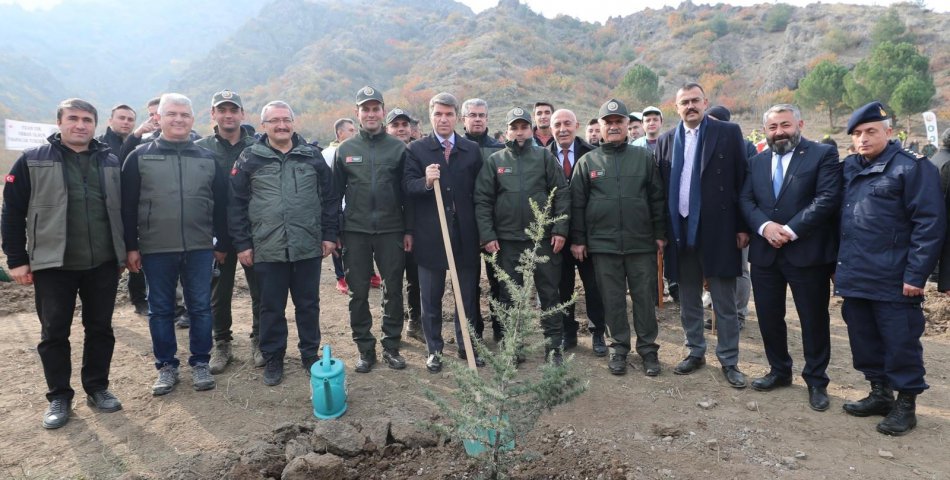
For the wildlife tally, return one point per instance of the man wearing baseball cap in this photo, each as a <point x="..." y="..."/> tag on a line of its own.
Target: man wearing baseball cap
<point x="652" y="123"/>
<point x="367" y="174"/>
<point x="893" y="222"/>
<point x="618" y="219"/>
<point x="507" y="182"/>
<point x="229" y="140"/>
<point x="634" y="127"/>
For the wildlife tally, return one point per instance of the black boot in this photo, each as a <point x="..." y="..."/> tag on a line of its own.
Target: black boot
<point x="879" y="402"/>
<point x="902" y="418"/>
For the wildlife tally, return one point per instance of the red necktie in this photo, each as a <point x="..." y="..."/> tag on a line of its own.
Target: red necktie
<point x="567" y="163"/>
<point x="447" y="150"/>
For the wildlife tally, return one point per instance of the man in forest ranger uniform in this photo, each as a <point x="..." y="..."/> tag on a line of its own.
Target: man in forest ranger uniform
<point x="174" y="203"/>
<point x="893" y="223"/>
<point x="618" y="218"/>
<point x="283" y="219"/>
<point x="62" y="232"/>
<point x="505" y="185"/>
<point x="399" y="125"/>
<point x="475" y="120"/>
<point x="367" y="175"/>
<point x="229" y="140"/>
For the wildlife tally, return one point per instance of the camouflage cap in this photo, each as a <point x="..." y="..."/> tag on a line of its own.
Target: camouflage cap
<point x="397" y="113"/>
<point x="516" y="114"/>
<point x="612" y="107"/>
<point x="368" y="93"/>
<point x="226" y="96"/>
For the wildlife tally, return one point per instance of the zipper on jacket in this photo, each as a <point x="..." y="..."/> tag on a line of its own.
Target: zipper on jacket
<point x="372" y="183"/>
<point x="616" y="161"/>
<point x="85" y="190"/>
<point x="36" y="219"/>
<point x="181" y="198"/>
<point x="521" y="194"/>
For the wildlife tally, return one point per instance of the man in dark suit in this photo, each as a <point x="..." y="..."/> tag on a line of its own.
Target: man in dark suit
<point x="703" y="163"/>
<point x="455" y="162"/>
<point x="568" y="149"/>
<point x="790" y="198"/>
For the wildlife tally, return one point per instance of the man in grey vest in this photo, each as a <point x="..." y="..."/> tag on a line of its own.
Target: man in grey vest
<point x="62" y="233"/>
<point x="174" y="198"/>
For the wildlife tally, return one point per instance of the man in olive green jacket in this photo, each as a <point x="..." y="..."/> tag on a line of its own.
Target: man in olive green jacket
<point x="229" y="140"/>
<point x="367" y="174"/>
<point x="505" y="185"/>
<point x="618" y="218"/>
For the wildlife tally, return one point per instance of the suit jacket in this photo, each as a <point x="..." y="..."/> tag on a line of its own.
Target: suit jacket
<point x="457" y="183"/>
<point x="581" y="147"/>
<point x="808" y="203"/>
<point x="723" y="165"/>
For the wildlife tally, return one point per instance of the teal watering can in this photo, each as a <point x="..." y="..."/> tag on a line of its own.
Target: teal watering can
<point x="328" y="386"/>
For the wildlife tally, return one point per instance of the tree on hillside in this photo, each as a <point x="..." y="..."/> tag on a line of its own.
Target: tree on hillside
<point x="890" y="28"/>
<point x="823" y="88"/>
<point x="880" y="77"/>
<point x="641" y="85"/>
<point x="777" y="18"/>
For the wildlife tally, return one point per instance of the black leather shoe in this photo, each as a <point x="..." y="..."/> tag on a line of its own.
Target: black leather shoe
<point x="707" y="324"/>
<point x="818" y="399"/>
<point x="735" y="378"/>
<point x="366" y="362"/>
<point x="434" y="363"/>
<point x="879" y="402"/>
<point x="598" y="345"/>
<point x="57" y="414"/>
<point x="689" y="365"/>
<point x="770" y="381"/>
<point x="617" y="364"/>
<point x="104" y="401"/>
<point x="651" y="364"/>
<point x="478" y="360"/>
<point x="902" y="418"/>
<point x="393" y="359"/>
<point x="568" y="343"/>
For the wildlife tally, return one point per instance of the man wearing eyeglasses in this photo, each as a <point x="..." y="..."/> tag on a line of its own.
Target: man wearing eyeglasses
<point x="367" y="174"/>
<point x="283" y="219"/>
<point x="475" y="120"/>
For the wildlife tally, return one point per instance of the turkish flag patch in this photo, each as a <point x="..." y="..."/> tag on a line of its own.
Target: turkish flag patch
<point x="597" y="173"/>
<point x="9" y="178"/>
<point x="234" y="171"/>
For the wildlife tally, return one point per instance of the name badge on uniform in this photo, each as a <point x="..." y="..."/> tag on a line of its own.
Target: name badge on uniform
<point x="156" y="158"/>
<point x="354" y="160"/>
<point x="598" y="174"/>
<point x="505" y="170"/>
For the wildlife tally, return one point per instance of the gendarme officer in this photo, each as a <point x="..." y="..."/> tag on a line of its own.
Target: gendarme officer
<point x="892" y="228"/>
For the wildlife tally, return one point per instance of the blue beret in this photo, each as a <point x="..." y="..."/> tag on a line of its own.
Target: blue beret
<point x="872" y="112"/>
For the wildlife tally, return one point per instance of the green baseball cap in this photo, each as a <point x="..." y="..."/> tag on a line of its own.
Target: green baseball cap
<point x="612" y="107"/>
<point x="516" y="114"/>
<point x="396" y="113"/>
<point x="368" y="93"/>
<point x="226" y="96"/>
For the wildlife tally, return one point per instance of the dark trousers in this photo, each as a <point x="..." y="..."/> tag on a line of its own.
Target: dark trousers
<point x="55" y="292"/>
<point x="302" y="280"/>
<point x="432" y="286"/>
<point x="546" y="278"/>
<point x="595" y="305"/>
<point x="615" y="275"/>
<point x="338" y="265"/>
<point x="412" y="288"/>
<point x="494" y="292"/>
<point x="359" y="251"/>
<point x="222" y="292"/>
<point x="811" y="292"/>
<point x="136" y="287"/>
<point x="885" y="342"/>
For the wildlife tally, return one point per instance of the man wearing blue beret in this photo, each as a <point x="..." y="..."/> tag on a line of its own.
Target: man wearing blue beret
<point x="893" y="222"/>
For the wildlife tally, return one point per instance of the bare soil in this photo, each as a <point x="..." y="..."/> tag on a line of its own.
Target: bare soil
<point x="621" y="428"/>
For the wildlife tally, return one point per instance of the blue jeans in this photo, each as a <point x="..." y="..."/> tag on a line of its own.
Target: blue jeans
<point x="162" y="271"/>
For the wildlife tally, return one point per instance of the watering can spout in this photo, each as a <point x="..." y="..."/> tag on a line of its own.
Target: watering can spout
<point x="326" y="358"/>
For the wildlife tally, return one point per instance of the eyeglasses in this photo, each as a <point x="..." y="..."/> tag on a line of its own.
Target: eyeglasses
<point x="477" y="115"/>
<point x="278" y="121"/>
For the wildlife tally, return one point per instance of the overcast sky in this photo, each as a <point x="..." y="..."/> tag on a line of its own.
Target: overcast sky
<point x="594" y="11"/>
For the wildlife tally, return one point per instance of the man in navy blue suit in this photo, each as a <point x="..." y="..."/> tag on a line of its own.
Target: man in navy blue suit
<point x="703" y="162"/>
<point x="790" y="200"/>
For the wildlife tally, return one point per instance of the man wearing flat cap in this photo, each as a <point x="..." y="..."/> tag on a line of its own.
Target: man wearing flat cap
<point x="893" y="222"/>
<point x="618" y="218"/>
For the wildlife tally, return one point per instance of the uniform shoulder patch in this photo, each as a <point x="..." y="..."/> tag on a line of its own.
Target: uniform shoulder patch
<point x="9" y="178"/>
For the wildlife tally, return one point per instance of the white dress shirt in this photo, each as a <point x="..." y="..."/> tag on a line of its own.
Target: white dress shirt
<point x="786" y="160"/>
<point x="689" y="158"/>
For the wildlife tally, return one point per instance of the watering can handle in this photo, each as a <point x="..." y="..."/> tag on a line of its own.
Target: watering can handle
<point x="326" y="358"/>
